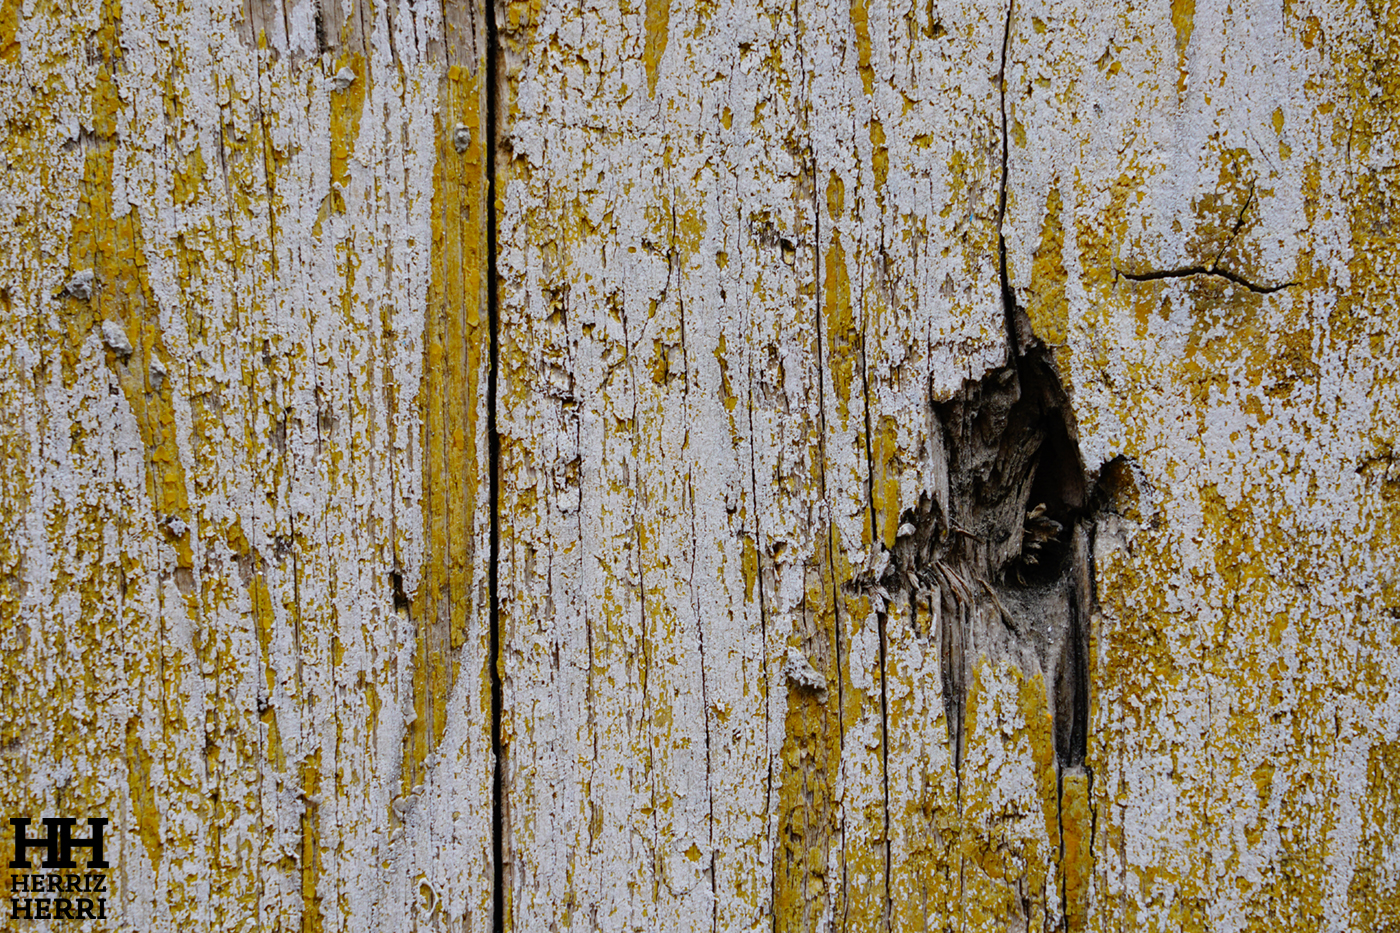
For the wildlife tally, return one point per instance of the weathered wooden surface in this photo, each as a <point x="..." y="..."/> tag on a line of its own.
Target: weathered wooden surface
<point x="774" y="646"/>
<point x="269" y="405"/>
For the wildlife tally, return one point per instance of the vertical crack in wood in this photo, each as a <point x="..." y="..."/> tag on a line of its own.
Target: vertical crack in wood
<point x="1008" y="298"/>
<point x="810" y="837"/>
<point x="494" y="657"/>
<point x="881" y="616"/>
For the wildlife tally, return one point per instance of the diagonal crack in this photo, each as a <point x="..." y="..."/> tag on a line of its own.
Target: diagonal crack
<point x="1239" y="225"/>
<point x="1214" y="268"/>
<point x="1187" y="271"/>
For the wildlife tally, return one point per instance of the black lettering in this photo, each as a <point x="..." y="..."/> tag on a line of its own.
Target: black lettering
<point x="75" y="883"/>
<point x="63" y="909"/>
<point x="18" y="904"/>
<point x="19" y="882"/>
<point x="23" y="844"/>
<point x="66" y="843"/>
<point x="96" y="883"/>
<point x="41" y="909"/>
<point x="102" y="908"/>
<point x="55" y="883"/>
<point x="85" y="909"/>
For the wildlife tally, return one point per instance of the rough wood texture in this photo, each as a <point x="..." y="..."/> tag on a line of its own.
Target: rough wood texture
<point x="793" y="315"/>
<point x="246" y="544"/>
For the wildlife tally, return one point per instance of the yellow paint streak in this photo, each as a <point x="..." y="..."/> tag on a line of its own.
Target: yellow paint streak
<point x="924" y="822"/>
<point x="865" y="897"/>
<point x="112" y="247"/>
<point x="1183" y="20"/>
<point x="835" y="196"/>
<point x="660" y="364"/>
<point x="983" y="898"/>
<point x="310" y="843"/>
<point x="806" y="797"/>
<point x="726" y="388"/>
<point x="456" y="341"/>
<point x="1009" y="836"/>
<point x="879" y="154"/>
<point x="346" y="107"/>
<point x="886" y="456"/>
<point x="332" y="203"/>
<point x="263" y="620"/>
<point x="275" y="753"/>
<point x="840" y="325"/>
<point x="1312" y="28"/>
<point x="860" y="20"/>
<point x="658" y="23"/>
<point x="142" y="789"/>
<point x="750" y="567"/>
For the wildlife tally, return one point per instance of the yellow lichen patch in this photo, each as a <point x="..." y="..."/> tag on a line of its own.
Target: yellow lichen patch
<point x="1035" y="713"/>
<point x="1228" y="215"/>
<point x="9" y="29"/>
<point x="189" y="180"/>
<point x="1046" y="305"/>
<point x="455" y="350"/>
<point x="1374" y="893"/>
<point x="658" y="24"/>
<point x="690" y="231"/>
<point x="1076" y="835"/>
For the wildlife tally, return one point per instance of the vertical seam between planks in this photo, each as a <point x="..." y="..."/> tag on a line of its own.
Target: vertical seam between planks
<point x="494" y="657"/>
